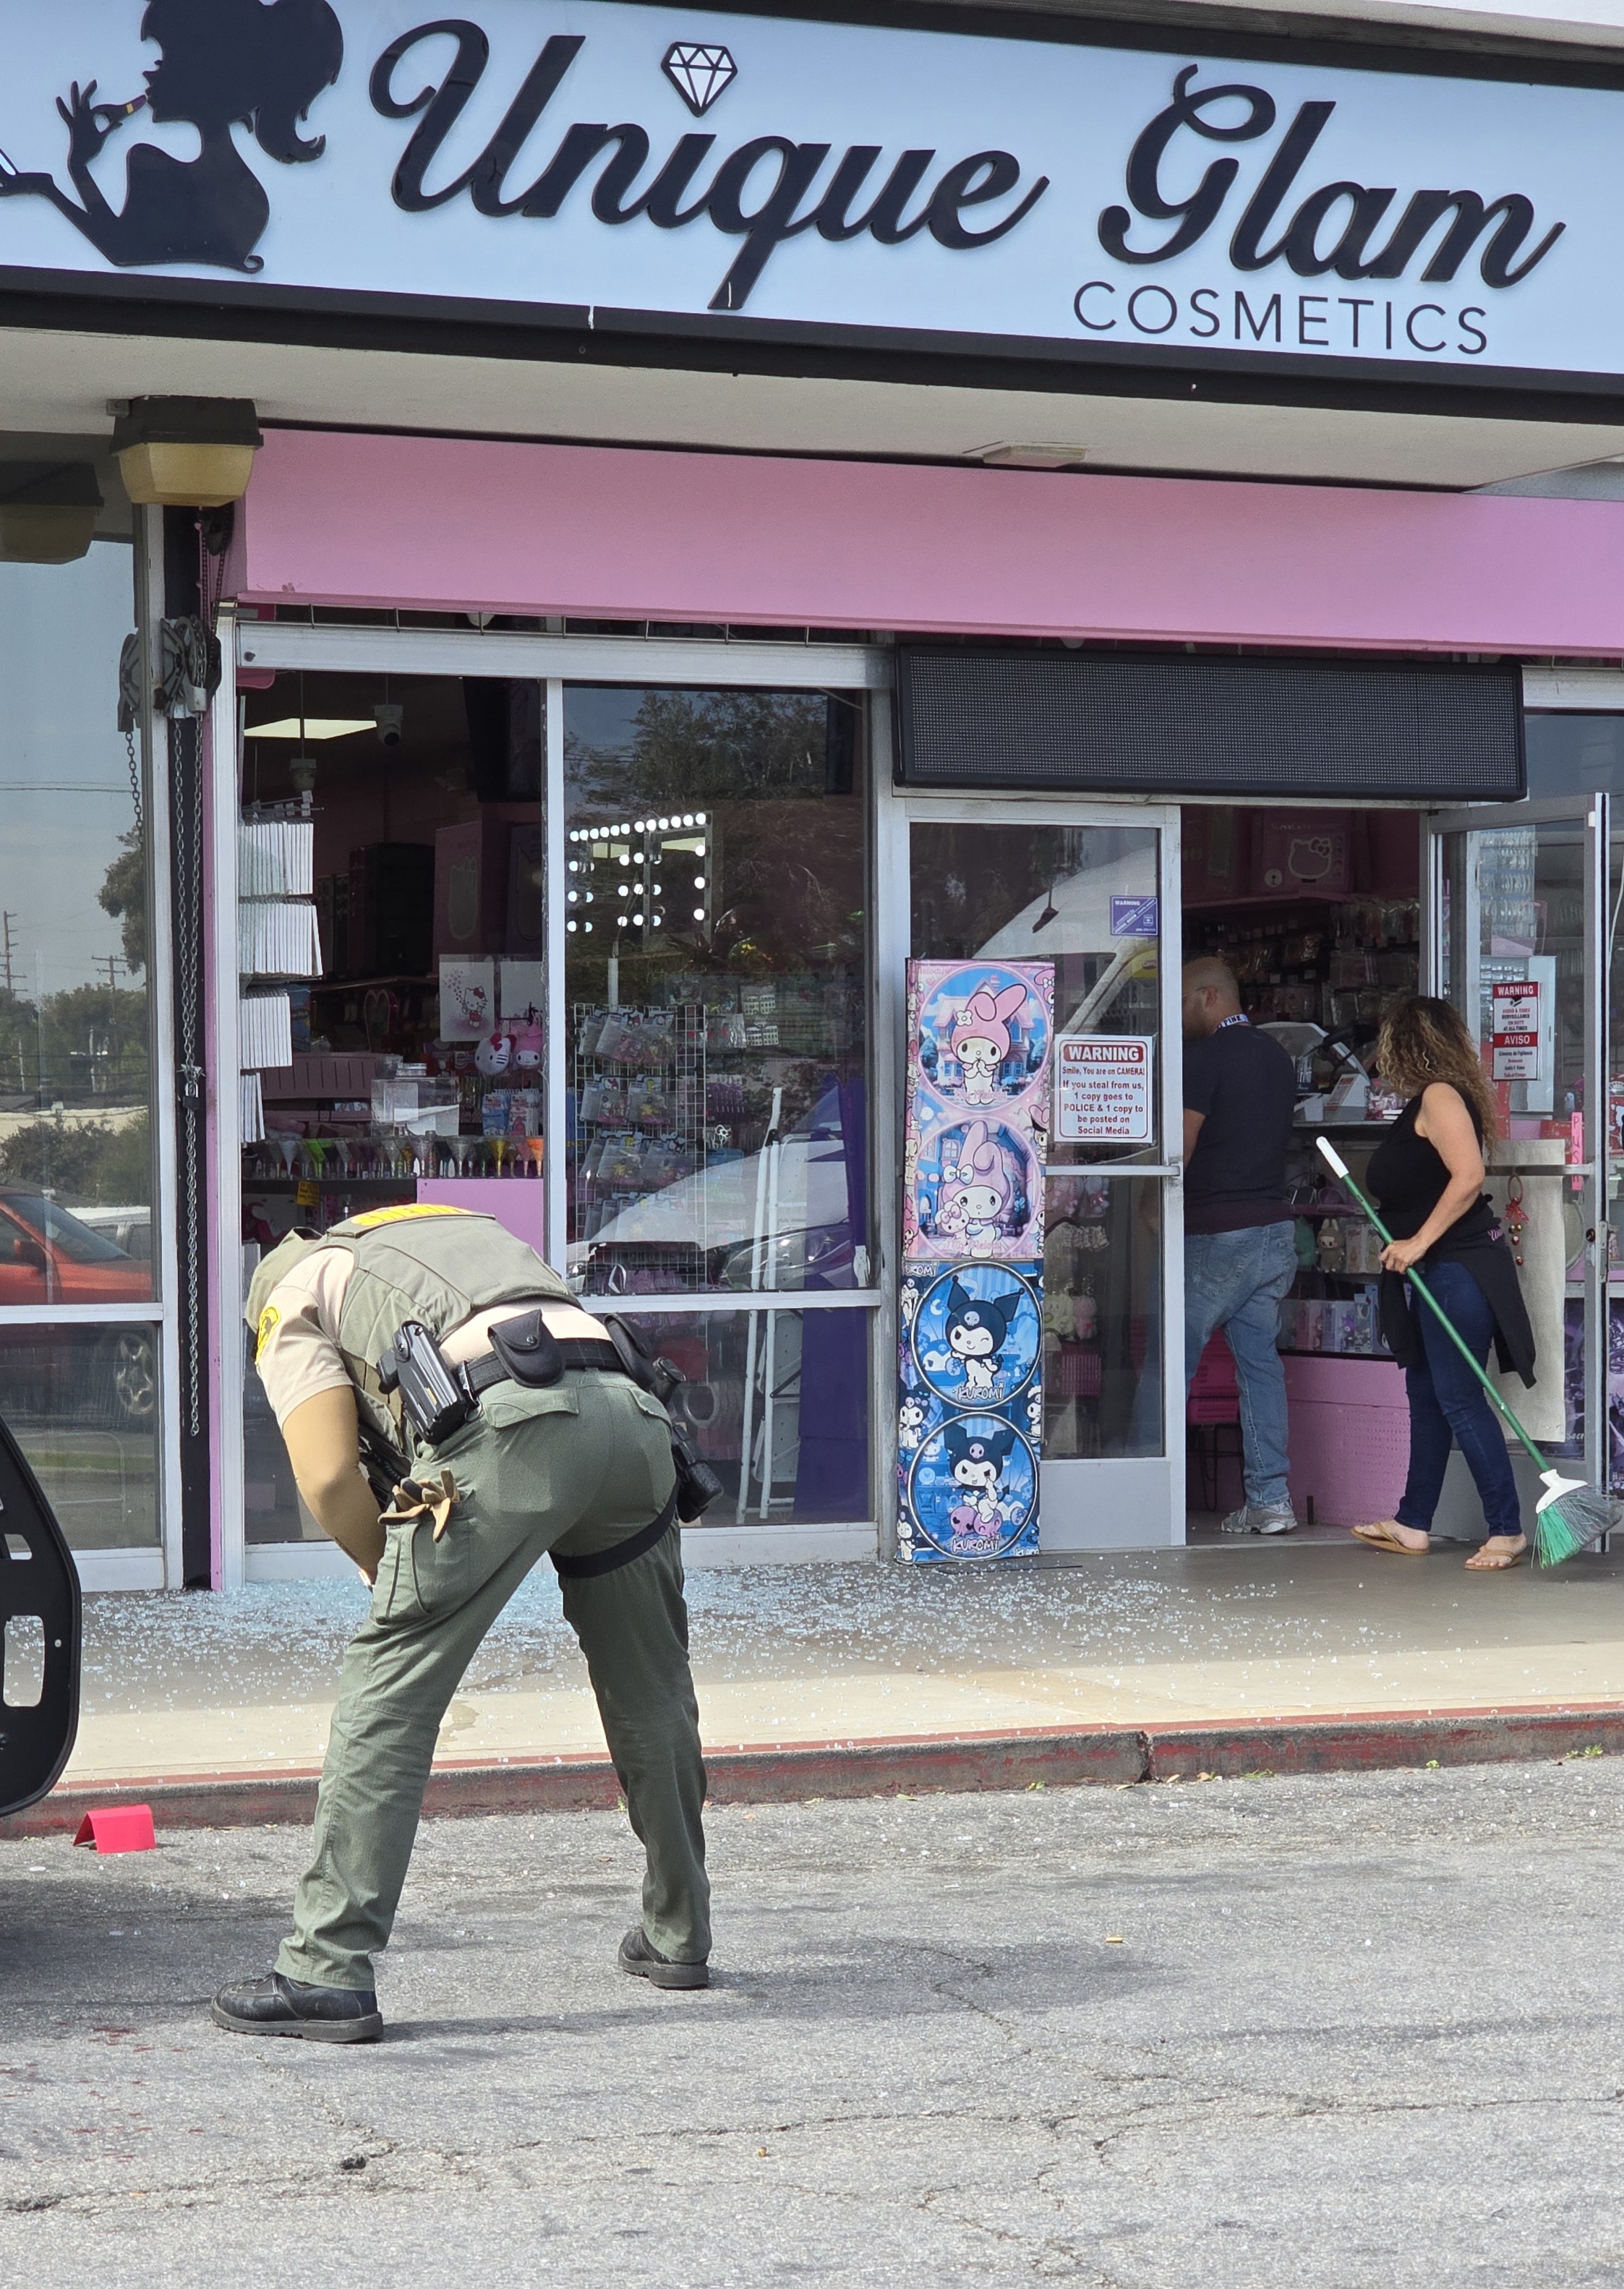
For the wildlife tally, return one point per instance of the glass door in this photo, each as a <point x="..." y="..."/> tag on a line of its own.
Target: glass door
<point x="1092" y="889"/>
<point x="1520" y="941"/>
<point x="713" y="1165"/>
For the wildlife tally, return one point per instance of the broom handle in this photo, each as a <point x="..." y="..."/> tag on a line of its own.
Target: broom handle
<point x="1450" y="1328"/>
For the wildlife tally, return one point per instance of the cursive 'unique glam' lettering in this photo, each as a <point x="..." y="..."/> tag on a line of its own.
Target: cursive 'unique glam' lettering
<point x="1504" y="224"/>
<point x="765" y="193"/>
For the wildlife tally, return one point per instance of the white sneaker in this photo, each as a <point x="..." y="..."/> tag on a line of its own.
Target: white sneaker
<point x="1254" y="1518"/>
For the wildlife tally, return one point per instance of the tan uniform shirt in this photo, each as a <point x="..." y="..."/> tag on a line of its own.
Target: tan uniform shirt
<point x="299" y="1356"/>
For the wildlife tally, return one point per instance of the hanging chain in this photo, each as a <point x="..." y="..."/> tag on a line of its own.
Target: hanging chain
<point x="135" y="782"/>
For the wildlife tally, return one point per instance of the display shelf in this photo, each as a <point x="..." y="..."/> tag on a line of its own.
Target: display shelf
<point x="1252" y="901"/>
<point x="1342" y="1358"/>
<point x="326" y="1183"/>
<point x="1342" y="1128"/>
<point x="361" y="985"/>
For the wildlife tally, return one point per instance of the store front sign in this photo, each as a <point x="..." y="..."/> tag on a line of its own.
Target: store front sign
<point x="1102" y="1090"/>
<point x="606" y="163"/>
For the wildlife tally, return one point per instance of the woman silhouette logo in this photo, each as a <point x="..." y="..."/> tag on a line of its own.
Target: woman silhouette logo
<point x="256" y="63"/>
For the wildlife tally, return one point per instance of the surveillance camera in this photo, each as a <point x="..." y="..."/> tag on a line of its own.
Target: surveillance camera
<point x="388" y="717"/>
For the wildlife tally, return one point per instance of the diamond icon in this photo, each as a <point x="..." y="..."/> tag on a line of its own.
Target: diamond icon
<point x="699" y="72"/>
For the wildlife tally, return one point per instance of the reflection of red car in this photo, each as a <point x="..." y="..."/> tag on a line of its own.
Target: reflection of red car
<point x="104" y="1375"/>
<point x="48" y="1256"/>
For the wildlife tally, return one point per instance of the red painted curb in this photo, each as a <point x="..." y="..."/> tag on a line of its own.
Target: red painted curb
<point x="1378" y="1745"/>
<point x="1116" y="1754"/>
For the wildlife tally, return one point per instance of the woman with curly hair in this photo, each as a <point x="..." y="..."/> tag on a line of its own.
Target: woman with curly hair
<point x="1428" y="1175"/>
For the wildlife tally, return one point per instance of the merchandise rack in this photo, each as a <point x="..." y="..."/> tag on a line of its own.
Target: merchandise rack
<point x="639" y="1115"/>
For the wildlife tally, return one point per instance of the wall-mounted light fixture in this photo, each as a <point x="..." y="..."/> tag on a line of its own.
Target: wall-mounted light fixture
<point x="47" y="515"/>
<point x="1001" y="456"/>
<point x="187" y="452"/>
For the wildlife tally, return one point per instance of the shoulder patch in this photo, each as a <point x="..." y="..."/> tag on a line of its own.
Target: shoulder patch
<point x="406" y="1208"/>
<point x="269" y="1318"/>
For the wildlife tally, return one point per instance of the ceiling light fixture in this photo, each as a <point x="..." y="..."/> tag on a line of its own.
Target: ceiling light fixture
<point x="310" y="727"/>
<point x="187" y="452"/>
<point x="47" y="515"/>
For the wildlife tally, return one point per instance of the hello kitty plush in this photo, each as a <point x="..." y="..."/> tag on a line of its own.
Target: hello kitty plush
<point x="495" y="1054"/>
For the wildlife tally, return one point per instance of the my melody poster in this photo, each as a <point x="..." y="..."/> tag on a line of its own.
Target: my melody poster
<point x="970" y="1400"/>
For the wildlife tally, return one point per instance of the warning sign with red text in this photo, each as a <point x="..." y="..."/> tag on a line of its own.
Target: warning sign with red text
<point x="1102" y="1090"/>
<point x="1516" y="1030"/>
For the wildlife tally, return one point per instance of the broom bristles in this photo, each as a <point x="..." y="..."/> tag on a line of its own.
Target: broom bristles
<point x="1570" y="1524"/>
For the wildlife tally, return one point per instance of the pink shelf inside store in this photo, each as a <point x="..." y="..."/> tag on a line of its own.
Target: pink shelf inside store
<point x="516" y="1202"/>
<point x="1350" y="1438"/>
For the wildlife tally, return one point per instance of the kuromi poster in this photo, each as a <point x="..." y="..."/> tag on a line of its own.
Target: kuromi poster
<point x="970" y="1408"/>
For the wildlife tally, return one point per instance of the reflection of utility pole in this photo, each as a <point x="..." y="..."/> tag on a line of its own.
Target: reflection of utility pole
<point x="112" y="963"/>
<point x="7" y="951"/>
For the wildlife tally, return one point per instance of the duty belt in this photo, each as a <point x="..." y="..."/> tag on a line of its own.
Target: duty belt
<point x="478" y="1375"/>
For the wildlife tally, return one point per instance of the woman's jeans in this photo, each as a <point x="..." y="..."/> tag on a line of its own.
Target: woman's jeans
<point x="1448" y="1404"/>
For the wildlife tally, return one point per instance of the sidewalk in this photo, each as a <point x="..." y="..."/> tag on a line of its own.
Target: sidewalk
<point x="240" y="1686"/>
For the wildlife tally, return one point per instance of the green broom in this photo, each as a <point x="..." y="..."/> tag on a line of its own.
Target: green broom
<point x="1569" y="1515"/>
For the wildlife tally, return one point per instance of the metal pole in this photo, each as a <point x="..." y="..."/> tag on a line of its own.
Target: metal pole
<point x="749" y="1423"/>
<point x="769" y="1404"/>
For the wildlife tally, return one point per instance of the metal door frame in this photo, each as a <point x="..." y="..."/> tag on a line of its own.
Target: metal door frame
<point x="1117" y="1488"/>
<point x="1590" y="813"/>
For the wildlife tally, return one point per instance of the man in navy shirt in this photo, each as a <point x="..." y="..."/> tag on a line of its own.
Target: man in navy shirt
<point x="1240" y="1254"/>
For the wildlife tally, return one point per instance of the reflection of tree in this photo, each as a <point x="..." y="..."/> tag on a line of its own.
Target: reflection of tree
<point x="124" y="896"/>
<point x="86" y="1045"/>
<point x="790" y="892"/>
<point x="709" y="747"/>
<point x="85" y="1160"/>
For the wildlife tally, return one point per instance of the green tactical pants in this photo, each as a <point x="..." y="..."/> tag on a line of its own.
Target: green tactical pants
<point x="576" y="1469"/>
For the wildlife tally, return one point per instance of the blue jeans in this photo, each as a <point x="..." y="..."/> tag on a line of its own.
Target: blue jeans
<point x="1234" y="1281"/>
<point x="1447" y="1403"/>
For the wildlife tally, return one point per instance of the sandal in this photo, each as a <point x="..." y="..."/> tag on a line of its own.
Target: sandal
<point x="1484" y="1560"/>
<point x="1379" y="1536"/>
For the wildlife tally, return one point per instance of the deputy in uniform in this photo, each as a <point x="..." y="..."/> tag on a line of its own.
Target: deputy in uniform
<point x="580" y="1469"/>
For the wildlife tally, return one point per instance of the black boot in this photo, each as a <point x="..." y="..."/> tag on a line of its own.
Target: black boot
<point x="288" y="2007"/>
<point x="644" y="1960"/>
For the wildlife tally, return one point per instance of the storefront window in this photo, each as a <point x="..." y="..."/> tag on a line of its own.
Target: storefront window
<point x="1574" y="754"/>
<point x="83" y="1404"/>
<point x="391" y="882"/>
<point x="717" y="981"/>
<point x="76" y="1187"/>
<point x="1513" y="948"/>
<point x="1102" y="1318"/>
<point x="1083" y="898"/>
<point x="777" y="1403"/>
<point x="75" y="1126"/>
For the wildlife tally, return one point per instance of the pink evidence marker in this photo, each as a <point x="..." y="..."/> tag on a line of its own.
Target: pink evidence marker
<point x="118" y="1828"/>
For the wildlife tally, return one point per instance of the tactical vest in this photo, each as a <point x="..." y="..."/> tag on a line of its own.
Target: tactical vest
<point x="437" y="1265"/>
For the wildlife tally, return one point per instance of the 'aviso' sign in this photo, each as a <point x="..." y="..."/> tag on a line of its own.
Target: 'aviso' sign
<point x="858" y="180"/>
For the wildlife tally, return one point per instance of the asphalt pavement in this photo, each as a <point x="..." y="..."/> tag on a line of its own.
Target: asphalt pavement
<point x="1349" y="2033"/>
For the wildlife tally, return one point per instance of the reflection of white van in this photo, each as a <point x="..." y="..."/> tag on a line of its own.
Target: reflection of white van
<point x="129" y="1229"/>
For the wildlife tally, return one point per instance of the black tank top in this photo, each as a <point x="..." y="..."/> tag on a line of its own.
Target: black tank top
<point x="1408" y="1177"/>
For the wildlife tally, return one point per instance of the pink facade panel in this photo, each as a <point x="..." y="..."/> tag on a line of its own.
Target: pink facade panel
<point x="437" y="523"/>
